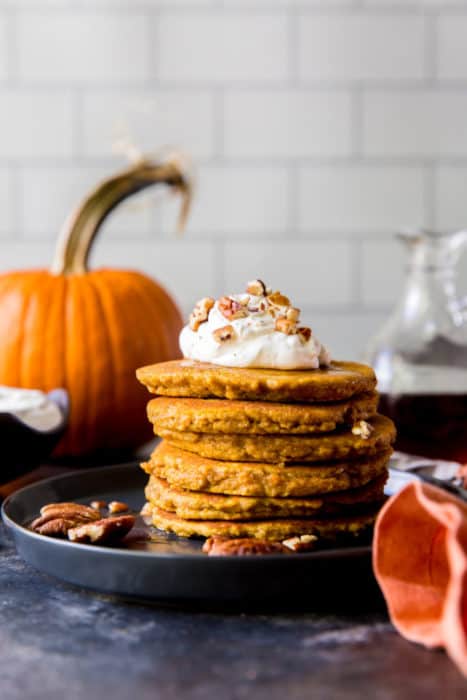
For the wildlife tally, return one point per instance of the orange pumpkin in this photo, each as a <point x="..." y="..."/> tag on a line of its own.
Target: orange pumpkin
<point x="88" y="331"/>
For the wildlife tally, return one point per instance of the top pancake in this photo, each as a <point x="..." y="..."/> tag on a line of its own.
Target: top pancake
<point x="190" y="378"/>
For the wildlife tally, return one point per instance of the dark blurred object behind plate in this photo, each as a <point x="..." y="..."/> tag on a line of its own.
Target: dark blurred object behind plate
<point x="24" y="447"/>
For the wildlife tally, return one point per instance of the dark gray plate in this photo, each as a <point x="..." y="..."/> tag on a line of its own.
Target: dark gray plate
<point x="171" y="568"/>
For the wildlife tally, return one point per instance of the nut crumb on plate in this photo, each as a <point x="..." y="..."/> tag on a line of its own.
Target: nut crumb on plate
<point x="98" y="505"/>
<point x="118" y="507"/>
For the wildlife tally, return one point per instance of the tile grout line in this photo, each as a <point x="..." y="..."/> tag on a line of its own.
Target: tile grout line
<point x="218" y="138"/>
<point x="293" y="47"/>
<point x="15" y="191"/>
<point x="357" y="123"/>
<point x="429" y="194"/>
<point x="431" y="49"/>
<point x="12" y="47"/>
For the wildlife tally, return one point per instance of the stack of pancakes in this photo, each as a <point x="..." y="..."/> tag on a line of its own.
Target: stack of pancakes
<point x="263" y="453"/>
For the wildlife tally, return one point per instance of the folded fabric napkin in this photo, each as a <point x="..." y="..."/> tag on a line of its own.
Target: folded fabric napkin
<point x="420" y="563"/>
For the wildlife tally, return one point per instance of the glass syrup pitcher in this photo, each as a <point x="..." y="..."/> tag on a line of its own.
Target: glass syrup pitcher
<point x="420" y="354"/>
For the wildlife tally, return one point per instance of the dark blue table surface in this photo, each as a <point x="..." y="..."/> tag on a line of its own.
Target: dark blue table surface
<point x="61" y="643"/>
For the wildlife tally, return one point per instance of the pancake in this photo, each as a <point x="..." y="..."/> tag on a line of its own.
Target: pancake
<point x="255" y="417"/>
<point x="204" y="380"/>
<point x="195" y="505"/>
<point x="189" y="471"/>
<point x="286" y="448"/>
<point x="328" y="529"/>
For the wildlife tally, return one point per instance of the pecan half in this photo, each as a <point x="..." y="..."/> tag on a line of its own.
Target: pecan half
<point x="283" y="325"/>
<point x="105" y="531"/>
<point x="56" y="518"/>
<point x="200" y="313"/>
<point x="302" y="543"/>
<point x="52" y="509"/>
<point x="231" y="309"/>
<point x="224" y="547"/>
<point x="58" y="527"/>
<point x="257" y="288"/>
<point x="221" y="335"/>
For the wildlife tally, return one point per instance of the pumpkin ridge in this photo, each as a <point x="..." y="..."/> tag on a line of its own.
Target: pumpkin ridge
<point x="109" y="282"/>
<point x="92" y="279"/>
<point x="54" y="339"/>
<point x="74" y="361"/>
<point x="11" y="370"/>
<point x="32" y="361"/>
<point x="93" y="371"/>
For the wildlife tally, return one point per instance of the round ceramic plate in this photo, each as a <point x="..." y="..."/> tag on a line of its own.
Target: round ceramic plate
<point x="171" y="568"/>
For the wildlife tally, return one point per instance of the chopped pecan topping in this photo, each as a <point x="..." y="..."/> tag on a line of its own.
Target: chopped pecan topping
<point x="302" y="543"/>
<point x="221" y="335"/>
<point x="283" y="325"/>
<point x="200" y="313"/>
<point x="305" y="333"/>
<point x="105" y="531"/>
<point x="231" y="309"/>
<point x="257" y="288"/>
<point x="278" y="299"/>
<point x="363" y="429"/>
<point x="223" y="547"/>
<point x="118" y="507"/>
<point x="292" y="314"/>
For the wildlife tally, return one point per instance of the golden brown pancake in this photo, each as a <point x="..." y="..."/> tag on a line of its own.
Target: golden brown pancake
<point x="189" y="471"/>
<point x="194" y="379"/>
<point x="286" y="448"/>
<point x="195" y="505"/>
<point x="257" y="417"/>
<point x="325" y="528"/>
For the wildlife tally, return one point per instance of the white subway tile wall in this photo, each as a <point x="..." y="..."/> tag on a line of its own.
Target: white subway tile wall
<point x="317" y="128"/>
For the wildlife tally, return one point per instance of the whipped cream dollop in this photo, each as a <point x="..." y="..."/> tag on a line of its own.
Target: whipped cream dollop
<point x="259" y="328"/>
<point x="31" y="406"/>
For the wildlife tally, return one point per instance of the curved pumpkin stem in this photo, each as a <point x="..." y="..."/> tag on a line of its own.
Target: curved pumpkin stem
<point x="81" y="228"/>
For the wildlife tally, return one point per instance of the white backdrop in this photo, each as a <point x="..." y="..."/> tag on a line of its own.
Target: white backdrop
<point x="317" y="129"/>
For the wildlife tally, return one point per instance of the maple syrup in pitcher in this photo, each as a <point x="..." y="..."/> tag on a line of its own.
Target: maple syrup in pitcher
<point x="433" y="425"/>
<point x="420" y="355"/>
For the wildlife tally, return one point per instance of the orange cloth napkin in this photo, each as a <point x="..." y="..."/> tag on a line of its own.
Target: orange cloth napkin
<point x="420" y="562"/>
